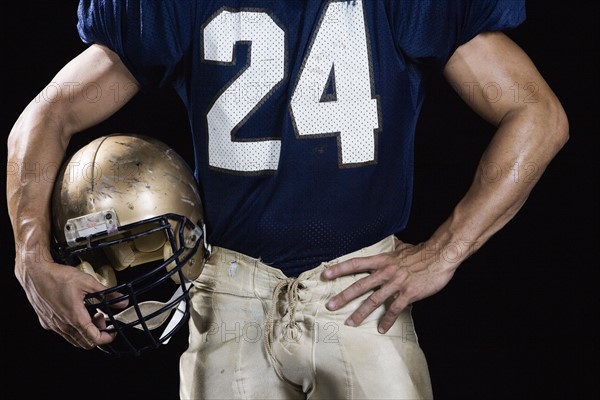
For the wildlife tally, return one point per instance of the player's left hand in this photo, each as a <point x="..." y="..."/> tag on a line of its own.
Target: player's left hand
<point x="403" y="276"/>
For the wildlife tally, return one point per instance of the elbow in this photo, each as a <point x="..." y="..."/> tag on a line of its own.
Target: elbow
<point x="548" y="119"/>
<point x="559" y="125"/>
<point x="563" y="128"/>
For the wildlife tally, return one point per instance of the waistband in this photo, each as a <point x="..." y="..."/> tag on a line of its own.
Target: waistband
<point x="232" y="272"/>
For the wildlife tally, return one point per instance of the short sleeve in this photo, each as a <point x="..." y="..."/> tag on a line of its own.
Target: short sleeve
<point x="150" y="37"/>
<point x="431" y="30"/>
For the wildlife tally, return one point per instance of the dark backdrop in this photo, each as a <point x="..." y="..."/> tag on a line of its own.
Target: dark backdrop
<point x="519" y="319"/>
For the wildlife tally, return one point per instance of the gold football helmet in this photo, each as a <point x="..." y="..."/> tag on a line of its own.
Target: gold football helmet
<point x="126" y="209"/>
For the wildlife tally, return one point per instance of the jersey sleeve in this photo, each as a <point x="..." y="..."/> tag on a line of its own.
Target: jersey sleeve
<point x="150" y="37"/>
<point x="431" y="30"/>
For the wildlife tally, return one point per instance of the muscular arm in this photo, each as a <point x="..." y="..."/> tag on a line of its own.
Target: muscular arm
<point x="38" y="139"/>
<point x="529" y="134"/>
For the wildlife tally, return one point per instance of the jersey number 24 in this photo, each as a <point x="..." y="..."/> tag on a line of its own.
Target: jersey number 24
<point x="337" y="57"/>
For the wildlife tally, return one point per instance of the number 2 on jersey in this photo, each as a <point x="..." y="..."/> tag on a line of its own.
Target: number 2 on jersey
<point x="333" y="96"/>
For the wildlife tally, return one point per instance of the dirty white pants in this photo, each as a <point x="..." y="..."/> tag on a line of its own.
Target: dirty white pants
<point x="256" y="334"/>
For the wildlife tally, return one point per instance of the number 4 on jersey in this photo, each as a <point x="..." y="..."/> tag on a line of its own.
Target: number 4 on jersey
<point x="338" y="58"/>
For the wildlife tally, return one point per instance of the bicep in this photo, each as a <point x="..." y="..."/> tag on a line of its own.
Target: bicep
<point x="94" y="85"/>
<point x="495" y="77"/>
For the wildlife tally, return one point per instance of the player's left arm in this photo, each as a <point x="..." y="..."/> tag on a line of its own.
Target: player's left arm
<point x="530" y="132"/>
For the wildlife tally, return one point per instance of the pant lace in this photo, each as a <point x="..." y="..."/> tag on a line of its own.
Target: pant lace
<point x="292" y="285"/>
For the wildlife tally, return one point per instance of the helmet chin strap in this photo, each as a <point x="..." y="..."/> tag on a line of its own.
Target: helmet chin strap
<point x="131" y="314"/>
<point x="178" y="315"/>
<point x="106" y="276"/>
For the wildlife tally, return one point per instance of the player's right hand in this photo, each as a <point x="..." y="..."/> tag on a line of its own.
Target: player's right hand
<point x="57" y="294"/>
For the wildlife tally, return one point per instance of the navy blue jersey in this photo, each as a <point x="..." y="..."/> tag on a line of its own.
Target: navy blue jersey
<point x="303" y="112"/>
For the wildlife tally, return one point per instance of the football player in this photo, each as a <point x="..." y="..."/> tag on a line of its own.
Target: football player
<point x="303" y="116"/>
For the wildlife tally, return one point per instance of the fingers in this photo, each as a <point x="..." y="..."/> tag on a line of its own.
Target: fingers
<point x="354" y="266"/>
<point x="353" y="291"/>
<point x="69" y="333"/>
<point x="97" y="328"/>
<point x="61" y="329"/>
<point x="388" y="283"/>
<point x="382" y="270"/>
<point x="90" y="332"/>
<point x="83" y="331"/>
<point x="391" y="315"/>
<point x="58" y="298"/>
<point x="73" y="334"/>
<point x="87" y="336"/>
<point x="121" y="304"/>
<point x="373" y="302"/>
<point x="377" y="299"/>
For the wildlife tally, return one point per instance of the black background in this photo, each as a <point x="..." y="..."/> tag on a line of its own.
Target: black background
<point x="518" y="321"/>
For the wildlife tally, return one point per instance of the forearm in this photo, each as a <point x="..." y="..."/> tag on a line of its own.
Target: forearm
<point x="524" y="144"/>
<point x="36" y="147"/>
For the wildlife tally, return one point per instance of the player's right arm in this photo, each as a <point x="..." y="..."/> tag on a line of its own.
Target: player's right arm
<point x="38" y="142"/>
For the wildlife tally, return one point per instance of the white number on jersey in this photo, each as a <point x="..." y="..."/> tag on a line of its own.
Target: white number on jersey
<point x="334" y="94"/>
<point x="264" y="72"/>
<point x="339" y="58"/>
